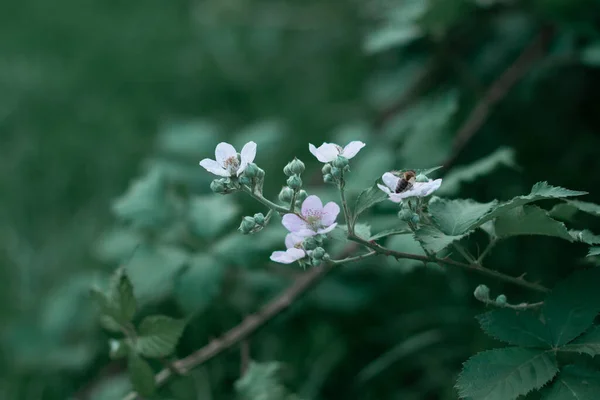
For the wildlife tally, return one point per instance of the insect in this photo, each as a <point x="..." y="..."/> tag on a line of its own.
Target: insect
<point x="406" y="180"/>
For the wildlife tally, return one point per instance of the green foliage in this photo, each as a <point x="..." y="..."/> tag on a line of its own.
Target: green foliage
<point x="529" y="220"/>
<point x="158" y="335"/>
<point x="505" y="374"/>
<point x="569" y="208"/>
<point x="199" y="284"/>
<point x="588" y="343"/>
<point x="141" y="375"/>
<point x="574" y="382"/>
<point x="455" y="217"/>
<point x="261" y="381"/>
<point x="434" y="240"/>
<point x="367" y="199"/>
<point x="210" y="215"/>
<point x="118" y="305"/>
<point x="523" y="328"/>
<point x="594" y="251"/>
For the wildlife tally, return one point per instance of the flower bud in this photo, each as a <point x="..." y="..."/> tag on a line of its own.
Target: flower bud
<point x="296" y="166"/>
<point x="501" y="300"/>
<point x="328" y="178"/>
<point x="260" y="173"/>
<point x="286" y="194"/>
<point x="336" y="172"/>
<point x="302" y="195"/>
<point x="482" y="293"/>
<point x="298" y="204"/>
<point x="340" y="162"/>
<point x="251" y="171"/>
<point x="421" y="178"/>
<point x="309" y="243"/>
<point x="287" y="170"/>
<point x="244" y="180"/>
<point x="259" y="218"/>
<point x="415" y="218"/>
<point x="326" y="169"/>
<point x="406" y="215"/>
<point x="248" y="223"/>
<point x="346" y="168"/>
<point x="218" y="186"/>
<point x="294" y="182"/>
<point x="318" y="253"/>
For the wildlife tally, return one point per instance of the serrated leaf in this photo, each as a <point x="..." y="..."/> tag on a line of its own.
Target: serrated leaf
<point x="391" y="232"/>
<point x="585" y="236"/>
<point x="594" y="251"/>
<point x="209" y="215"/>
<point x="504" y="156"/>
<point x="529" y="220"/>
<point x="408" y="244"/>
<point x="588" y="343"/>
<point x="572" y="305"/>
<point x="158" y="335"/>
<point x="196" y="288"/>
<point x="505" y="374"/>
<point x="141" y="375"/>
<point x="455" y="217"/>
<point x="434" y="240"/>
<point x="121" y="295"/>
<point x="109" y="314"/>
<point x="563" y="212"/>
<point x="367" y="199"/>
<point x="574" y="382"/>
<point x="521" y="328"/>
<point x="583" y="206"/>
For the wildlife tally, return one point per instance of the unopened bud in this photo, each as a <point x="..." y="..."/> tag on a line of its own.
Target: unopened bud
<point x="421" y="178"/>
<point x="218" y="186"/>
<point x="259" y="218"/>
<point x="260" y="173"/>
<point x="328" y="178"/>
<point x="501" y="300"/>
<point x="336" y="172"/>
<point x="326" y="169"/>
<point x="296" y="166"/>
<point x="415" y="219"/>
<point x="287" y="170"/>
<point x="244" y="180"/>
<point x="318" y="253"/>
<point x="309" y="243"/>
<point x="248" y="223"/>
<point x="286" y="194"/>
<point x="482" y="293"/>
<point x="340" y="162"/>
<point x="251" y="171"/>
<point x="346" y="168"/>
<point x="294" y="182"/>
<point x="302" y="195"/>
<point x="406" y="215"/>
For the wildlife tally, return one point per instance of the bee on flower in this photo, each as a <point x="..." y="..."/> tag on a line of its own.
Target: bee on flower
<point x="407" y="185"/>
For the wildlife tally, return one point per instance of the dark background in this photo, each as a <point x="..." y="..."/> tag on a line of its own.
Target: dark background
<point x="96" y="94"/>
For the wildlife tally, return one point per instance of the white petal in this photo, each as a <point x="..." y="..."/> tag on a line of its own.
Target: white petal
<point x="397" y="197"/>
<point x="384" y="188"/>
<point x="305" y="232"/>
<point x="352" y="149"/>
<point x="312" y="204"/>
<point x="291" y="240"/>
<point x="328" y="229"/>
<point x="330" y="213"/>
<point x="287" y="257"/>
<point x="327" y="152"/>
<point x="223" y="152"/>
<point x="432" y="186"/>
<point x="214" y="167"/>
<point x="247" y="155"/>
<point x="293" y="223"/>
<point x="390" y="180"/>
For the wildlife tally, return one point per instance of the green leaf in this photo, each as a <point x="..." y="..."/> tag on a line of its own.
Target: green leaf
<point x="196" y="288"/>
<point x="504" y="156"/>
<point x="434" y="240"/>
<point x="367" y="199"/>
<point x="594" y="251"/>
<point x="109" y="314"/>
<point x="117" y="245"/>
<point x="391" y="232"/>
<point x="408" y="244"/>
<point x="455" y="217"/>
<point x="588" y="343"/>
<point x="188" y="138"/>
<point x="121" y="295"/>
<point x="262" y="381"/>
<point x="574" y="382"/>
<point x="572" y="305"/>
<point x="563" y="212"/>
<point x="529" y="220"/>
<point x="590" y="55"/>
<point x="118" y="348"/>
<point x="505" y="374"/>
<point x="370" y="164"/>
<point x="521" y="328"/>
<point x="158" y="336"/>
<point x="141" y="375"/>
<point x="577" y="205"/>
<point x="585" y="236"/>
<point x="210" y="215"/>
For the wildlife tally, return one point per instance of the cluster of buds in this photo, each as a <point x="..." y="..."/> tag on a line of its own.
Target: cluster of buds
<point x="253" y="224"/>
<point x="336" y="159"/>
<point x="293" y="194"/>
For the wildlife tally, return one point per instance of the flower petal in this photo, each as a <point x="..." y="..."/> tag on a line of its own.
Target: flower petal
<point x="430" y="187"/>
<point x="328" y="229"/>
<point x="214" y="167"/>
<point x="287" y="257"/>
<point x="352" y="149"/>
<point x="247" y="155"/>
<point x="390" y="180"/>
<point x="327" y="152"/>
<point x="293" y="223"/>
<point x="291" y="240"/>
<point x="384" y="188"/>
<point x="223" y="152"/>
<point x="312" y="204"/>
<point x="330" y="213"/>
<point x="397" y="197"/>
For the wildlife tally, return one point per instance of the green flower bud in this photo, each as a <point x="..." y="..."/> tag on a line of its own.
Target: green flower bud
<point x="326" y="169"/>
<point x="310" y="243"/>
<point x="259" y="218"/>
<point x="260" y="173"/>
<point x="326" y="257"/>
<point x="315" y="262"/>
<point x="346" y="168"/>
<point x="318" y="253"/>
<point x="406" y="215"/>
<point x="421" y="178"/>
<point x="251" y="171"/>
<point x="340" y="162"/>
<point x="328" y="178"/>
<point x="296" y="166"/>
<point x="415" y="219"/>
<point x="336" y="172"/>
<point x="244" y="180"/>
<point x="501" y="300"/>
<point x="295" y="182"/>
<point x="302" y="195"/>
<point x="482" y="293"/>
<point x="287" y="170"/>
<point x="298" y="204"/>
<point x="286" y="194"/>
<point x="219" y="186"/>
<point x="248" y="223"/>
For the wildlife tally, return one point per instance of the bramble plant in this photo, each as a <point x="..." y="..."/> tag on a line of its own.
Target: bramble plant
<point x="541" y="332"/>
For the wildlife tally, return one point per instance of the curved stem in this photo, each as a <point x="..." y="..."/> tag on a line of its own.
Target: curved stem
<point x="266" y="202"/>
<point x="355" y="258"/>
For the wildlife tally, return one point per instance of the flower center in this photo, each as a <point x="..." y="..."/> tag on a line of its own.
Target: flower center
<point x="232" y="164"/>
<point x="313" y="219"/>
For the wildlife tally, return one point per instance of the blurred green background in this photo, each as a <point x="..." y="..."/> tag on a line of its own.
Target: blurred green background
<point x="95" y="95"/>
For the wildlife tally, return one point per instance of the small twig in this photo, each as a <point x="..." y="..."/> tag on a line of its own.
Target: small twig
<point x="463" y="252"/>
<point x="244" y="356"/>
<point x="498" y="90"/>
<point x="487" y="250"/>
<point x="355" y="258"/>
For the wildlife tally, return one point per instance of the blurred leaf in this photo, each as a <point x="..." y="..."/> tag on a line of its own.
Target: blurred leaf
<point x="594" y="251"/>
<point x="529" y="220"/>
<point x="505" y="374"/>
<point x="367" y="198"/>
<point x="118" y="244"/>
<point x="504" y="156"/>
<point x="455" y="217"/>
<point x="585" y="236"/>
<point x="591" y="55"/>
<point x="572" y="305"/>
<point x="247" y="250"/>
<point x="261" y="381"/>
<point x="210" y="214"/>
<point x="434" y="240"/>
<point x="141" y="375"/>
<point x="391" y="232"/>
<point x="588" y="343"/>
<point x="569" y="208"/>
<point x="267" y="135"/>
<point x="367" y="166"/>
<point x="110" y="388"/>
<point x="190" y="138"/>
<point x="199" y="284"/>
<point x="563" y="212"/>
<point x="574" y="382"/>
<point x="158" y="335"/>
<point x="118" y="305"/>
<point x="118" y="348"/>
<point x="520" y="328"/>
<point x="407" y="244"/>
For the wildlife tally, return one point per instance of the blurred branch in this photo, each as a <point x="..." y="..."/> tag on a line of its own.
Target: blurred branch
<point x="498" y="90"/>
